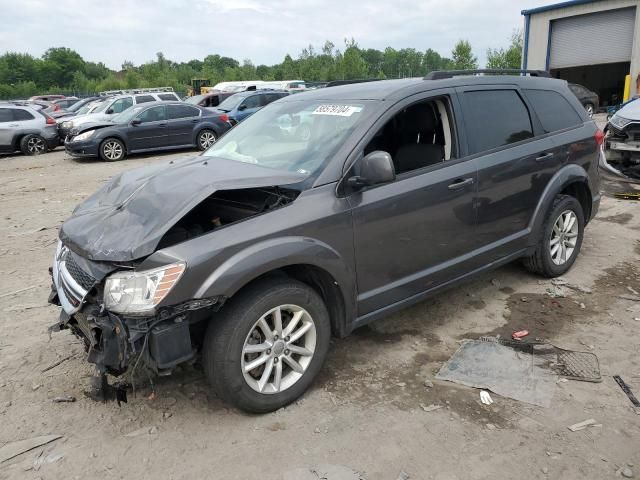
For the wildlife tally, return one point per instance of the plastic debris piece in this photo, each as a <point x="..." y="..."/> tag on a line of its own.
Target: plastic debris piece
<point x="485" y="398"/>
<point x="14" y="449"/>
<point x="431" y="408"/>
<point x="582" y="425"/>
<point x="519" y="334"/>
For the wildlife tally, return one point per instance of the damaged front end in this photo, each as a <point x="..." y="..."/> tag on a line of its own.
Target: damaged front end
<point x="122" y="308"/>
<point x="622" y="144"/>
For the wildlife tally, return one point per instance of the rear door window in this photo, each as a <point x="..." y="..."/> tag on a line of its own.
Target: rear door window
<point x="553" y="110"/>
<point x="21" y="115"/>
<point x="181" y="111"/>
<point x="146" y="98"/>
<point x="253" y="101"/>
<point x="6" y="115"/>
<point x="169" y="97"/>
<point x="495" y="118"/>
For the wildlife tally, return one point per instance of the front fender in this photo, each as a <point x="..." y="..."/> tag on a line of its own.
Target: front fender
<point x="268" y="255"/>
<point x="571" y="173"/>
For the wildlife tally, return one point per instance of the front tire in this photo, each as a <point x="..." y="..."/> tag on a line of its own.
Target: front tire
<point x="589" y="108"/>
<point x="33" y="144"/>
<point x="112" y="150"/>
<point x="206" y="138"/>
<point x="266" y="346"/>
<point x="561" y="239"/>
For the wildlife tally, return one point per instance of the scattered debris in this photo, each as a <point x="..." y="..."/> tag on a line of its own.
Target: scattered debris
<point x="55" y="364"/>
<point x="626" y="472"/>
<point x="582" y="425"/>
<point x="485" y="398"/>
<point x="490" y="426"/>
<point x="431" y="408"/>
<point x="630" y="288"/>
<point x="142" y="431"/>
<point x="403" y="476"/>
<point x="495" y="282"/>
<point x="13" y="449"/>
<point x="324" y="472"/>
<point x="428" y="383"/>
<point x="625" y="388"/>
<point x="42" y="459"/>
<point x="64" y="399"/>
<point x="519" y="334"/>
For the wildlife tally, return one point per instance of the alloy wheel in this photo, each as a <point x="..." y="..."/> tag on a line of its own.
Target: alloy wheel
<point x="112" y="150"/>
<point x="564" y="237"/>
<point x="207" y="139"/>
<point x="36" y="145"/>
<point x="278" y="349"/>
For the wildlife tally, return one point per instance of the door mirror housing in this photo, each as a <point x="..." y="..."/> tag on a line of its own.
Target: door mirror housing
<point x="109" y="111"/>
<point x="375" y="168"/>
<point x="242" y="107"/>
<point x="136" y="121"/>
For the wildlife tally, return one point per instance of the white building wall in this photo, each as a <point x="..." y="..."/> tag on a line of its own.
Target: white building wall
<point x="539" y="23"/>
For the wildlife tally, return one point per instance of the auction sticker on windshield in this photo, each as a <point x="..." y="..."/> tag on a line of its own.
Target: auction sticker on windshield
<point x="338" y="110"/>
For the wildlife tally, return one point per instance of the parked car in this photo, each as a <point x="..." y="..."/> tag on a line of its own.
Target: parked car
<point x="622" y="143"/>
<point x="112" y="106"/>
<point x="47" y="98"/>
<point x="291" y="86"/>
<point x="73" y="109"/>
<point x="589" y="100"/>
<point x="259" y="250"/>
<point x="27" y="129"/>
<point x="144" y="128"/>
<point x="236" y="108"/>
<point x="65" y="103"/>
<point x="211" y="99"/>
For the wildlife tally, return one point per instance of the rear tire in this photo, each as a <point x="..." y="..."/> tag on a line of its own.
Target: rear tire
<point x="244" y="333"/>
<point x="33" y="145"/>
<point x="112" y="150"/>
<point x="589" y="108"/>
<point x="206" y="138"/>
<point x="561" y="239"/>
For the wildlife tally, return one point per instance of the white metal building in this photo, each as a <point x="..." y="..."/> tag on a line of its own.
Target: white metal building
<point x="595" y="43"/>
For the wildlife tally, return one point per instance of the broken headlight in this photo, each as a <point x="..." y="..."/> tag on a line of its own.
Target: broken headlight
<point x="85" y="135"/>
<point x="140" y="292"/>
<point x="619" y="122"/>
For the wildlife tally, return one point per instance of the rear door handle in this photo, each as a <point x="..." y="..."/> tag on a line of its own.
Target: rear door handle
<point x="460" y="183"/>
<point x="544" y="156"/>
<point x="162" y="125"/>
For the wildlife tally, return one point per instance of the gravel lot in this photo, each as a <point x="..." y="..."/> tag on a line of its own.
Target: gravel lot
<point x="364" y="413"/>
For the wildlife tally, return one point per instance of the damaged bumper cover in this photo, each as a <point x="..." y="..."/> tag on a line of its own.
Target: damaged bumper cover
<point x="622" y="145"/>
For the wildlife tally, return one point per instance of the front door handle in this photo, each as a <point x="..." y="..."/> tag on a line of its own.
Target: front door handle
<point x="162" y="124"/>
<point x="544" y="156"/>
<point x="460" y="183"/>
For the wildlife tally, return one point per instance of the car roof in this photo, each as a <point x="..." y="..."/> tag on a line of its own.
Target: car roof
<point x="396" y="89"/>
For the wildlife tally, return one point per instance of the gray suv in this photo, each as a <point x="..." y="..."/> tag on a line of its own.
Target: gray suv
<point x="255" y="253"/>
<point x="26" y="129"/>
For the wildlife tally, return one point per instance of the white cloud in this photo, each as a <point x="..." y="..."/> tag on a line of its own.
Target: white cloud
<point x="112" y="31"/>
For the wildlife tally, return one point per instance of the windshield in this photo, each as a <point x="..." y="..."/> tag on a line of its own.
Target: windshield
<point x="127" y="115"/>
<point x="294" y="136"/>
<point x="77" y="106"/>
<point x="195" y="100"/>
<point x="101" y="107"/>
<point x="230" y="103"/>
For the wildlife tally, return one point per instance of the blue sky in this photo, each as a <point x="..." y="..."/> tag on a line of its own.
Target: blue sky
<point x="263" y="31"/>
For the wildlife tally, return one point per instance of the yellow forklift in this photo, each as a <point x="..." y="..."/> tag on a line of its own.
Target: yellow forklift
<point x="199" y="86"/>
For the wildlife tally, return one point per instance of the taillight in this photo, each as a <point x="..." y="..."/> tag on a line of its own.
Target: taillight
<point x="50" y="121"/>
<point x="224" y="117"/>
<point x="599" y="136"/>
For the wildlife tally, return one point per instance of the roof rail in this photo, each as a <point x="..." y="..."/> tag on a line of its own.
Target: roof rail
<point x="440" y="74"/>
<point x="107" y="93"/>
<point x="338" y="83"/>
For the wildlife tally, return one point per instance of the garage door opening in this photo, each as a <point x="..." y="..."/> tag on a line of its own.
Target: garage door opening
<point x="607" y="80"/>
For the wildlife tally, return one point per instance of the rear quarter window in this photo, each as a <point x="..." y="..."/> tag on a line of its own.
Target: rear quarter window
<point x="5" y="115"/>
<point x="553" y="110"/>
<point x="495" y="118"/>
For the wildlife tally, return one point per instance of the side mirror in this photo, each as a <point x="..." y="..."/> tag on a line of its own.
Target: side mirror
<point x="109" y="111"/>
<point x="136" y="121"/>
<point x="242" y="107"/>
<point x="375" y="168"/>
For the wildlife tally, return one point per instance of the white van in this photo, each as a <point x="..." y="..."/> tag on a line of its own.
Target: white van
<point x="239" y="86"/>
<point x="291" y="86"/>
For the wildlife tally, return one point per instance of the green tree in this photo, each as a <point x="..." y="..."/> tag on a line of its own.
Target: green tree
<point x="463" y="57"/>
<point x="509" y="58"/>
<point x="59" y="65"/>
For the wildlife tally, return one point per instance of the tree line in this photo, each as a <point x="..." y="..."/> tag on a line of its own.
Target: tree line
<point x="62" y="70"/>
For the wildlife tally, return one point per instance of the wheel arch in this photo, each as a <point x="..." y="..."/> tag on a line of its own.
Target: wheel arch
<point x="309" y="261"/>
<point x="117" y="136"/>
<point x="571" y="180"/>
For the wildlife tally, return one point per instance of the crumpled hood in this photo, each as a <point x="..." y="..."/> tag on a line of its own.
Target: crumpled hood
<point x="126" y="218"/>
<point x="631" y="110"/>
<point x="91" y="126"/>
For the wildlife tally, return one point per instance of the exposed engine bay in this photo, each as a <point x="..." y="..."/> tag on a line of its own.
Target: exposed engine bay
<point x="226" y="207"/>
<point x="622" y="143"/>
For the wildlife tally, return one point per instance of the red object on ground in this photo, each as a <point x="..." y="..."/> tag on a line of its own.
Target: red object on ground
<point x="519" y="335"/>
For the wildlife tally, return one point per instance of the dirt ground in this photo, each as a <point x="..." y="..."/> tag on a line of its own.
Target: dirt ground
<point x="364" y="416"/>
